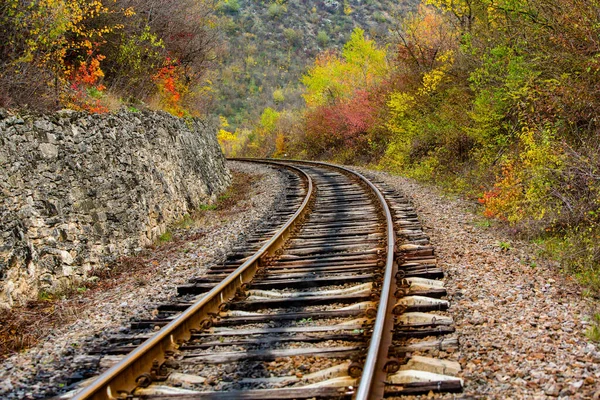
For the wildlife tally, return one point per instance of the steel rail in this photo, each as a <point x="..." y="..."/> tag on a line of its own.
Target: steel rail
<point x="372" y="381"/>
<point x="122" y="378"/>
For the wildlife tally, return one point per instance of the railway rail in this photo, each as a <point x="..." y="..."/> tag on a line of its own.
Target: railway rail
<point x="336" y="296"/>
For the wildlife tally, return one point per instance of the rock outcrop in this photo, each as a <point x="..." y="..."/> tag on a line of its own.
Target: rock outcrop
<point x="79" y="190"/>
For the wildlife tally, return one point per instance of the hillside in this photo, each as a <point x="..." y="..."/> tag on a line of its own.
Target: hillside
<point x="269" y="45"/>
<point x="496" y="101"/>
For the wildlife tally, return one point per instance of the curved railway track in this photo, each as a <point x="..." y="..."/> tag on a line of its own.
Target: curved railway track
<point x="322" y="302"/>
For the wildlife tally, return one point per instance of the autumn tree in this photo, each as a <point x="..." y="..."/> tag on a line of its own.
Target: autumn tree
<point x="422" y="38"/>
<point x="334" y="76"/>
<point x="43" y="43"/>
<point x="341" y="94"/>
<point x="66" y="53"/>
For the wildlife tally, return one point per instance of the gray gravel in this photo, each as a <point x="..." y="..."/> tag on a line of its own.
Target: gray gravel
<point x="41" y="371"/>
<point x="520" y="322"/>
<point x="521" y="325"/>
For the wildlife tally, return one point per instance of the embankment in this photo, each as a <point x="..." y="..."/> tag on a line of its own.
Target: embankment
<point x="79" y="190"/>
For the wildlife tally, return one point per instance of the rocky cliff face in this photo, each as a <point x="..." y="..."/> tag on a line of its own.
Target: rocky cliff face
<point x="79" y="190"/>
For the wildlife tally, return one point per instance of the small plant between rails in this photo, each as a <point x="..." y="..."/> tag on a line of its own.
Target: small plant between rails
<point x="330" y="306"/>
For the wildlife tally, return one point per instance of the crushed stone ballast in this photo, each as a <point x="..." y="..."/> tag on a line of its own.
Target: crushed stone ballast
<point x="336" y="296"/>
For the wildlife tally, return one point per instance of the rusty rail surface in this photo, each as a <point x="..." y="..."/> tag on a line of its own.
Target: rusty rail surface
<point x="125" y="376"/>
<point x="372" y="381"/>
<point x="139" y="365"/>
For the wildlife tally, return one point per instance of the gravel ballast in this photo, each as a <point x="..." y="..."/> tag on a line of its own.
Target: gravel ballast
<point x="43" y="370"/>
<point x="521" y="324"/>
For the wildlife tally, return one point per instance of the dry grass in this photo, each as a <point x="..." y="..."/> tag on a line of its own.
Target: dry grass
<point x="112" y="101"/>
<point x="24" y="326"/>
<point x="241" y="185"/>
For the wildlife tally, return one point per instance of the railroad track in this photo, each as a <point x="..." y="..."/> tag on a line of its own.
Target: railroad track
<point x="336" y="296"/>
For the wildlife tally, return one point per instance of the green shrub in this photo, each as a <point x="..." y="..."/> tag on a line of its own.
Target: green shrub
<point x="593" y="332"/>
<point x="278" y="96"/>
<point x="322" y="39"/>
<point x="293" y="37"/>
<point x="380" y="17"/>
<point x="276" y="10"/>
<point x="165" y="237"/>
<point x="230" y="6"/>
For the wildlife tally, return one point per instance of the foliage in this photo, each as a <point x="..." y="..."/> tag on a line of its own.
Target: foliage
<point x="593" y="331"/>
<point x="230" y="6"/>
<point x="343" y="99"/>
<point x="275" y="134"/>
<point x="293" y="37"/>
<point x="171" y="85"/>
<point x="494" y="99"/>
<point x="166" y="237"/>
<point x="276" y="10"/>
<point x="268" y="119"/>
<point x="278" y="96"/>
<point x="343" y="128"/>
<point x="86" y="89"/>
<point x="227" y="140"/>
<point x="362" y="64"/>
<point x="504" y="246"/>
<point x="72" y="53"/>
<point x="266" y="53"/>
<point x="322" y="39"/>
<point x="47" y="39"/>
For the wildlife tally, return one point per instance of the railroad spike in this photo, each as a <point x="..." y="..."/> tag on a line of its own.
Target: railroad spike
<point x="392" y="366"/>
<point x="144" y="380"/>
<point x="355" y="370"/>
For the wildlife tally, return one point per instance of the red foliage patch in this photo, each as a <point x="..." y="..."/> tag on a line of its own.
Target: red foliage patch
<point x="344" y="124"/>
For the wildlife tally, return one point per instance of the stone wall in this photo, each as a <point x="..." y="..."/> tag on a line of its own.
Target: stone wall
<point x="79" y="190"/>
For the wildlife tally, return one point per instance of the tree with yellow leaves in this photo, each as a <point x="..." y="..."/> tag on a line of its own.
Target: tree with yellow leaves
<point x="66" y="53"/>
<point x="51" y="39"/>
<point x="362" y="64"/>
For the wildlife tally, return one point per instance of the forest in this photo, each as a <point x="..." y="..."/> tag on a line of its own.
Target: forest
<point x="494" y="100"/>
